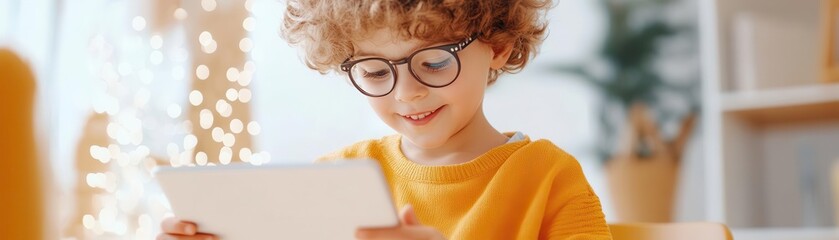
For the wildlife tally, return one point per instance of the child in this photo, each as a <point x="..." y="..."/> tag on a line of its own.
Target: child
<point x="424" y="66"/>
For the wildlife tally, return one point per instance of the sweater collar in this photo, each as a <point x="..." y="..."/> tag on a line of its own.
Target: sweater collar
<point x="407" y="169"/>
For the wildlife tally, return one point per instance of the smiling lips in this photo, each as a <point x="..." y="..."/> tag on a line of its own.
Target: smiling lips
<point x="421" y="118"/>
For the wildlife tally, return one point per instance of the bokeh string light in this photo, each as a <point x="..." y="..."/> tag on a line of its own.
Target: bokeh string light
<point x="130" y="67"/>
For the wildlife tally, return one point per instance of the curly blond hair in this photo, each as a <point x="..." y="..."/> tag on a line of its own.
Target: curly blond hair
<point x="325" y="29"/>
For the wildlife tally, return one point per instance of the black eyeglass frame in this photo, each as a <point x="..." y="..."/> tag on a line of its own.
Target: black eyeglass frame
<point x="451" y="48"/>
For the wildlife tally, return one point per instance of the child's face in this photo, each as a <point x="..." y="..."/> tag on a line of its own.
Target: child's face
<point x="446" y="110"/>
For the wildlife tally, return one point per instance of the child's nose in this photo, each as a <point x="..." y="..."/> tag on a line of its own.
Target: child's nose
<point x="408" y="88"/>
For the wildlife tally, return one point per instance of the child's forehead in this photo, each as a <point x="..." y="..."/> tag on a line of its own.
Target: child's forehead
<point x="387" y="43"/>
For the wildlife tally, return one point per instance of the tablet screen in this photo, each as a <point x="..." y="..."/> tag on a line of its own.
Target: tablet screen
<point x="303" y="201"/>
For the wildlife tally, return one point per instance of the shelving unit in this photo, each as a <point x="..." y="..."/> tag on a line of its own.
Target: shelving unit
<point x="770" y="125"/>
<point x="785" y="105"/>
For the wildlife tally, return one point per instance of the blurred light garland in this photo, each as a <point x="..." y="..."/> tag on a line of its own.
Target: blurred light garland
<point x="128" y="64"/>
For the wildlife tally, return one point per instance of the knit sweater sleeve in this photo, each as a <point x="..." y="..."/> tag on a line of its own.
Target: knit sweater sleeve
<point x="574" y="210"/>
<point x="580" y="218"/>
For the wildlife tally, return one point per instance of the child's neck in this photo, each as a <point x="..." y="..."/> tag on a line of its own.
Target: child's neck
<point x="475" y="139"/>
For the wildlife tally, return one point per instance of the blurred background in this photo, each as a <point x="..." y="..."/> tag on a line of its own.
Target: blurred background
<point x="678" y="110"/>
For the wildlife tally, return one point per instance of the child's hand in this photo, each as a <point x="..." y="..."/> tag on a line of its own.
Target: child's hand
<point x="174" y="229"/>
<point x="409" y="229"/>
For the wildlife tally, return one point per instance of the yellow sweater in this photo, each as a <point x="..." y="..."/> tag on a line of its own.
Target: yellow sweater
<point x="520" y="190"/>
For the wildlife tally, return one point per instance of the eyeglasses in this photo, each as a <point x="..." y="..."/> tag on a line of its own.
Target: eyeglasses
<point x="434" y="67"/>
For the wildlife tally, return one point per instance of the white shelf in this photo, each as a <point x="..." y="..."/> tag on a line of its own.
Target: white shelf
<point x="785" y="233"/>
<point x="781" y="97"/>
<point x="818" y="102"/>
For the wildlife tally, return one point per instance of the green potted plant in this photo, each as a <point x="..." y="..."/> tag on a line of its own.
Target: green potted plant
<point x="640" y="99"/>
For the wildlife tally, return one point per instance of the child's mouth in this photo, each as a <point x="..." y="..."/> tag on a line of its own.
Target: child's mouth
<point x="423" y="118"/>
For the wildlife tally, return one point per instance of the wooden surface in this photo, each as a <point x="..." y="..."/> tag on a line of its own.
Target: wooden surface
<point x="786" y="105"/>
<point x="835" y="186"/>
<point x="817" y="112"/>
<point x="669" y="231"/>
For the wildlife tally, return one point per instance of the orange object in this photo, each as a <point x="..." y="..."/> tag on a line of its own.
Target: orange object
<point x="669" y="231"/>
<point x="644" y="186"/>
<point x="520" y="190"/>
<point x="21" y="205"/>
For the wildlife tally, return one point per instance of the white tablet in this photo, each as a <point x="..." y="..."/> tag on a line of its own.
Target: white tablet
<point x="307" y="201"/>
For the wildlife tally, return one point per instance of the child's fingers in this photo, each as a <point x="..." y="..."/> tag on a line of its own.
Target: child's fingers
<point x="405" y="233"/>
<point x="408" y="216"/>
<point x="199" y="236"/>
<point x="175" y="226"/>
<point x="383" y="233"/>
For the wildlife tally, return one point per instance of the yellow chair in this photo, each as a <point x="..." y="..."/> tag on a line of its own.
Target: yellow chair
<point x="20" y="182"/>
<point x="670" y="231"/>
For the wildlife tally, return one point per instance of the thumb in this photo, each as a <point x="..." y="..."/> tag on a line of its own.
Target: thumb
<point x="408" y="217"/>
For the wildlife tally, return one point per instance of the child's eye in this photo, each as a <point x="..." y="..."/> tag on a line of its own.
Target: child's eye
<point x="377" y="75"/>
<point x="438" y="65"/>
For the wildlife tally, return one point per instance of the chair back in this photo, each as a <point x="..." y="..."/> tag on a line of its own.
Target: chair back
<point x="20" y="180"/>
<point x="670" y="231"/>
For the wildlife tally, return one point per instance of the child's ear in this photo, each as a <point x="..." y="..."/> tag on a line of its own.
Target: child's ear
<point x="500" y="55"/>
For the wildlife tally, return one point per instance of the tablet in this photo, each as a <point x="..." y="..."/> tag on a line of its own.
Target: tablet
<point x="302" y="201"/>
